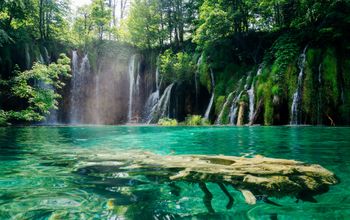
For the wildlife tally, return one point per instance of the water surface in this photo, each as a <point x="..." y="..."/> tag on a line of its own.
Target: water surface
<point x="38" y="179"/>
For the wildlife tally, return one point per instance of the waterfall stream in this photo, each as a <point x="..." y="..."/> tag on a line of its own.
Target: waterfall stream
<point x="131" y="85"/>
<point x="207" y="112"/>
<point x="162" y="108"/>
<point x="227" y="102"/>
<point x="78" y="82"/>
<point x="234" y="109"/>
<point x="199" y="62"/>
<point x="152" y="100"/>
<point x="27" y="57"/>
<point x="251" y="95"/>
<point x="297" y="97"/>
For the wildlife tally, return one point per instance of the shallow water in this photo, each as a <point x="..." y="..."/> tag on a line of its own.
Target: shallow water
<point x="39" y="180"/>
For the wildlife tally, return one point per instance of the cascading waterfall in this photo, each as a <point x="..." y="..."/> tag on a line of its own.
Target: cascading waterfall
<point x="131" y="85"/>
<point x="259" y="70"/>
<point x="297" y="97"/>
<point x="138" y="81"/>
<point x="162" y="108"/>
<point x="41" y="59"/>
<point x="207" y="112"/>
<point x="251" y="95"/>
<point x="27" y="57"/>
<point x="76" y="108"/>
<point x="227" y="102"/>
<point x="251" y="102"/>
<point x="152" y="100"/>
<point x="46" y="55"/>
<point x="199" y="62"/>
<point x="234" y="109"/>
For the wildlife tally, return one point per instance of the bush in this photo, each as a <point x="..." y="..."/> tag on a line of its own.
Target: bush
<point x="176" y="67"/>
<point x="196" y="120"/>
<point x="3" y="118"/>
<point x="167" y="122"/>
<point x="37" y="87"/>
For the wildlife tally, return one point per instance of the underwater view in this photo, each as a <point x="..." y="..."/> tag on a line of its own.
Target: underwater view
<point x="44" y="172"/>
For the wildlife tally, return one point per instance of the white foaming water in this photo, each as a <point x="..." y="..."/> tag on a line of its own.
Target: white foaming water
<point x="162" y="108"/>
<point x="207" y="112"/>
<point x="131" y="85"/>
<point x="297" y="97"/>
<point x="227" y="102"/>
<point x="78" y="83"/>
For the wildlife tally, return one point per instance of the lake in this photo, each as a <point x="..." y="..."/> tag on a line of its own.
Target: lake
<point x="39" y="179"/>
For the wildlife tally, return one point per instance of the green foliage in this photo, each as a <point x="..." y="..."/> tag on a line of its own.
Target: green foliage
<point x="219" y="103"/>
<point x="311" y="86"/>
<point x="204" y="73"/>
<point x="285" y="50"/>
<point x="142" y="25"/>
<point x="331" y="90"/>
<point x="3" y="118"/>
<point x="37" y="87"/>
<point x="196" y="120"/>
<point x="268" y="104"/>
<point x="93" y="22"/>
<point x="215" y="24"/>
<point x="167" y="122"/>
<point x="176" y="67"/>
<point x="345" y="107"/>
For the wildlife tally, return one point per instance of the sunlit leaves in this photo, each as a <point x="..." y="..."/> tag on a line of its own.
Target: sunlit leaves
<point x="176" y="67"/>
<point x="38" y="87"/>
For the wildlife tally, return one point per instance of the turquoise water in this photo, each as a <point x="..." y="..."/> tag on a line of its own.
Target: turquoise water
<point x="39" y="180"/>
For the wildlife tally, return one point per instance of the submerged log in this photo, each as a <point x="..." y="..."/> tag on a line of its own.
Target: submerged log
<point x="259" y="175"/>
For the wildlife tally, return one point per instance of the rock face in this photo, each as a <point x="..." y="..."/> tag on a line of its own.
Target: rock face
<point x="252" y="176"/>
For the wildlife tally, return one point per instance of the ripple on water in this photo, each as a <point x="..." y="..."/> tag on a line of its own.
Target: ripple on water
<point x="38" y="179"/>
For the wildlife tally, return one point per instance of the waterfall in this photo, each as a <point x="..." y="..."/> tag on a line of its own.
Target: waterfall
<point x="41" y="59"/>
<point x="77" y="96"/>
<point x="138" y="79"/>
<point x="251" y="95"/>
<point x="234" y="108"/>
<point x="251" y="102"/>
<point x="207" y="112"/>
<point x="259" y="70"/>
<point x="227" y="102"/>
<point x="27" y="57"/>
<point x="162" y="108"/>
<point x="131" y="85"/>
<point x="297" y="97"/>
<point x="152" y="100"/>
<point x="199" y="62"/>
<point x="151" y="105"/>
<point x="46" y="56"/>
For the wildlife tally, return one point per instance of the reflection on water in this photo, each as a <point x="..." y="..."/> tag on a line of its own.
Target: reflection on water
<point x="39" y="179"/>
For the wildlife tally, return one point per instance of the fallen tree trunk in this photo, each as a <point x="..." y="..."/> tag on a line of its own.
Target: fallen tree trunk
<point x="256" y="176"/>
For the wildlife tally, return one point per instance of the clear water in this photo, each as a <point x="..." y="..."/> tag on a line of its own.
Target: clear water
<point x="38" y="181"/>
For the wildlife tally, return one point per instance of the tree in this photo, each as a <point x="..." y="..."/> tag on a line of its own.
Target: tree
<point x="101" y="16"/>
<point x="37" y="88"/>
<point x="144" y="24"/>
